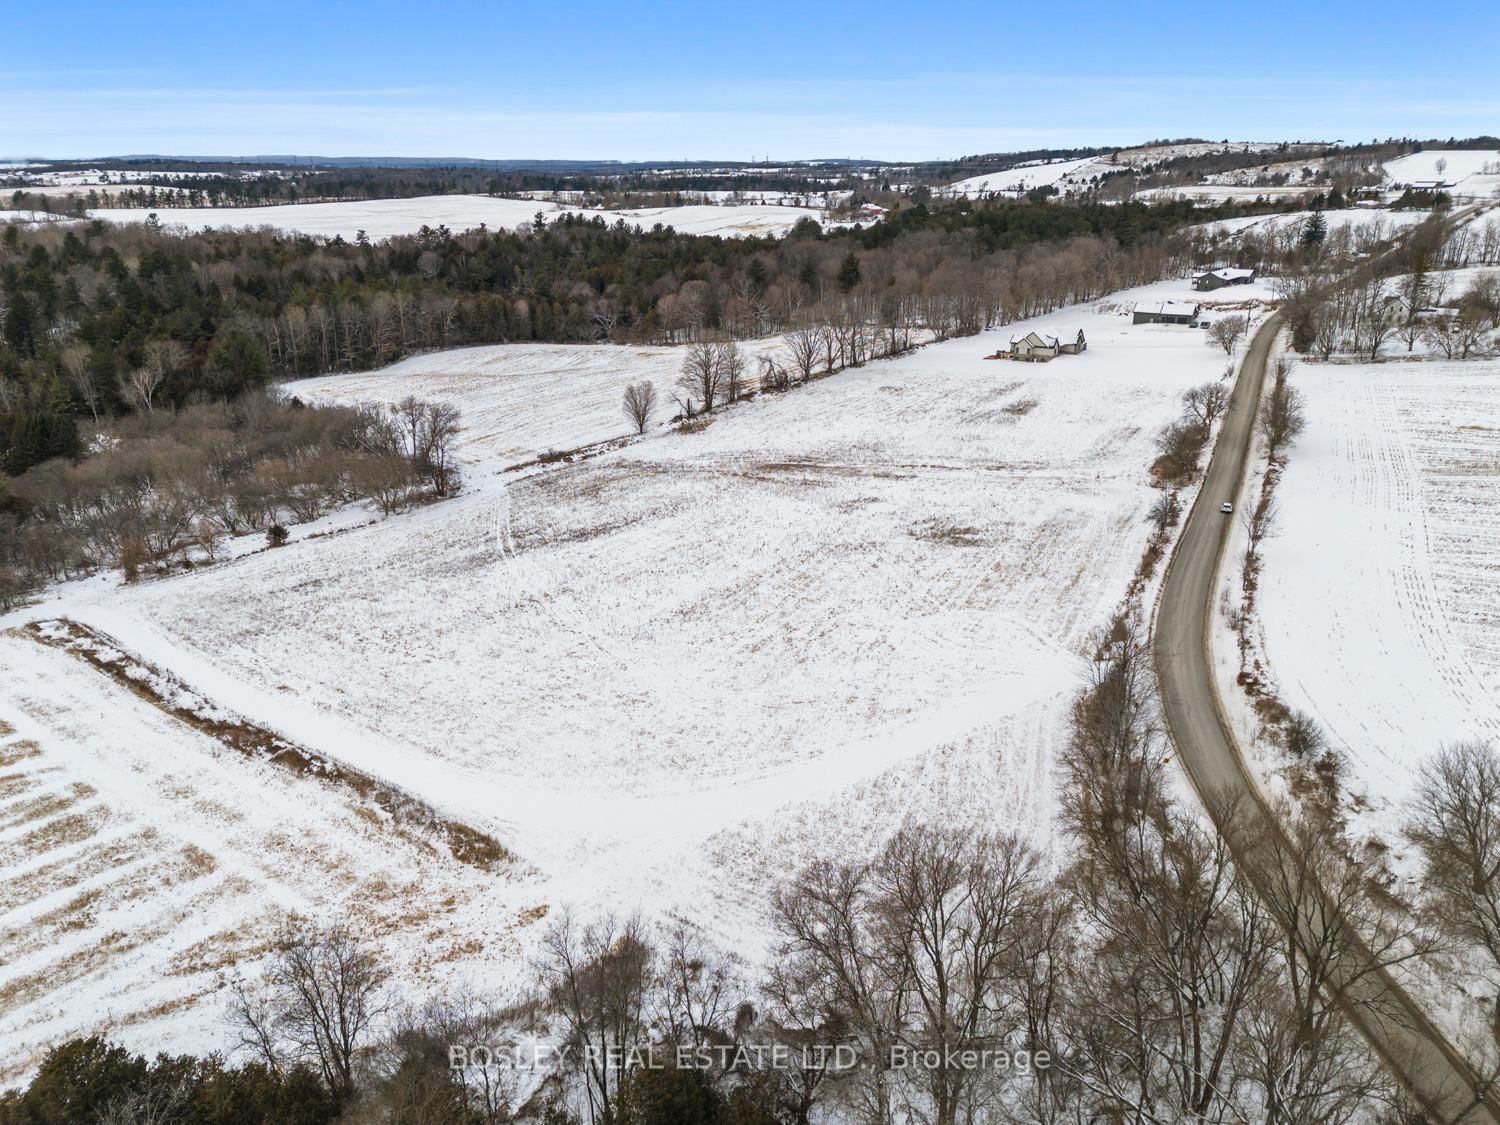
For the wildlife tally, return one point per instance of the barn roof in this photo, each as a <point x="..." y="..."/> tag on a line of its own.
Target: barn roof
<point x="1170" y="308"/>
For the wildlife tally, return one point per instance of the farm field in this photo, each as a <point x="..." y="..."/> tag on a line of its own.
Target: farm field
<point x="1473" y="172"/>
<point x="664" y="677"/>
<point x="385" y="218"/>
<point x="521" y="400"/>
<point x="1380" y="596"/>
<point x="144" y="867"/>
<point x="1075" y="175"/>
<point x="1019" y="180"/>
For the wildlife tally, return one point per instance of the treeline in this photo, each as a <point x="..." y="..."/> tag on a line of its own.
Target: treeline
<point x="162" y="488"/>
<point x="1399" y="299"/>
<point x="235" y="187"/>
<point x="267" y="187"/>
<point x="97" y="320"/>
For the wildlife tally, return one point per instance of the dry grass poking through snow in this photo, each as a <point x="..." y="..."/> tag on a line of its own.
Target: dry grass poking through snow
<point x="143" y="865"/>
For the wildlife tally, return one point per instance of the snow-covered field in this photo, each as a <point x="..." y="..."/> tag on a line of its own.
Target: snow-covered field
<point x="1021" y="179"/>
<point x="1226" y="193"/>
<point x="665" y="676"/>
<point x="141" y="863"/>
<point x="1380" y="598"/>
<point x="1077" y="174"/>
<point x="32" y="217"/>
<point x="1261" y="291"/>
<point x="522" y="400"/>
<point x="383" y="218"/>
<point x="1473" y="172"/>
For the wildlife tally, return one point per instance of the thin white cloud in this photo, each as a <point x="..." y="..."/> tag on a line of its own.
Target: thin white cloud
<point x="909" y="117"/>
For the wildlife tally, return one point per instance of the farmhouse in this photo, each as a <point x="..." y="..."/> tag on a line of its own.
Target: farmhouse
<point x="1166" y="312"/>
<point x="1217" y="279"/>
<point x="1038" y="347"/>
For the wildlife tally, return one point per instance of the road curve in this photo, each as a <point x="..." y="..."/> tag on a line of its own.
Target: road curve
<point x="1390" y="1021"/>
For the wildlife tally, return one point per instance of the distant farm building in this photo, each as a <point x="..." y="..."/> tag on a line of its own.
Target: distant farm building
<point x="1217" y="279"/>
<point x="1166" y="312"/>
<point x="1038" y="347"/>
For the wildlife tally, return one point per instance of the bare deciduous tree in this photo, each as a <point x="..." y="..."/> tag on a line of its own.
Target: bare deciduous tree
<point x="139" y="388"/>
<point x="597" y="978"/>
<point x="701" y="379"/>
<point x="805" y="344"/>
<point x="1206" y="402"/>
<point x="1455" y="823"/>
<point x="1227" y="331"/>
<point x="1282" y="417"/>
<point x="639" y="404"/>
<point x="322" y="997"/>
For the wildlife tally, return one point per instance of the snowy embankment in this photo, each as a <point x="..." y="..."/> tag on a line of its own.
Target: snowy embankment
<point x="665" y="676"/>
<point x="385" y="218"/>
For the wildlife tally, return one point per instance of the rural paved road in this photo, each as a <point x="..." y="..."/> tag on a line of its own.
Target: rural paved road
<point x="1387" y="1017"/>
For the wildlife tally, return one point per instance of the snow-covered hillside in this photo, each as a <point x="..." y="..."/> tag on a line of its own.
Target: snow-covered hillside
<point x="1078" y="174"/>
<point x="383" y="218"/>
<point x="1472" y="172"/>
<point x="1020" y="180"/>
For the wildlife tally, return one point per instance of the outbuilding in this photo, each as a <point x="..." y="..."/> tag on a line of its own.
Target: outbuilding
<point x="1166" y="312"/>
<point x="1217" y="279"/>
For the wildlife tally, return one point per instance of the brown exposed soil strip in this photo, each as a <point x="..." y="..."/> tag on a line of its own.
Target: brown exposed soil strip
<point x="164" y="691"/>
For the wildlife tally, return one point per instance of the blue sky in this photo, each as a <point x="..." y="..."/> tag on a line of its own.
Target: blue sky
<point x="733" y="81"/>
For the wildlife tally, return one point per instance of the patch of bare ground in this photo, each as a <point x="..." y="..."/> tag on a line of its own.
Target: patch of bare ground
<point x="105" y="856"/>
<point x="162" y="690"/>
<point x="1020" y="408"/>
<point x="225" y="949"/>
<point x="73" y="828"/>
<point x="15" y="784"/>
<point x="48" y="804"/>
<point x="6" y="730"/>
<point x="83" y="909"/>
<point x="951" y="534"/>
<point x="16" y="752"/>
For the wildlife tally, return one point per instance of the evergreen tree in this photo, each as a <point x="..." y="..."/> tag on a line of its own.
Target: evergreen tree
<point x="36" y="437"/>
<point x="1314" y="231"/>
<point x="236" y="363"/>
<point x="849" y="273"/>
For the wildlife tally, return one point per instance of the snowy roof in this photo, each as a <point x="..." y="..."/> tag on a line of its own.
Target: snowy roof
<point x="1227" y="273"/>
<point x="1169" y="308"/>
